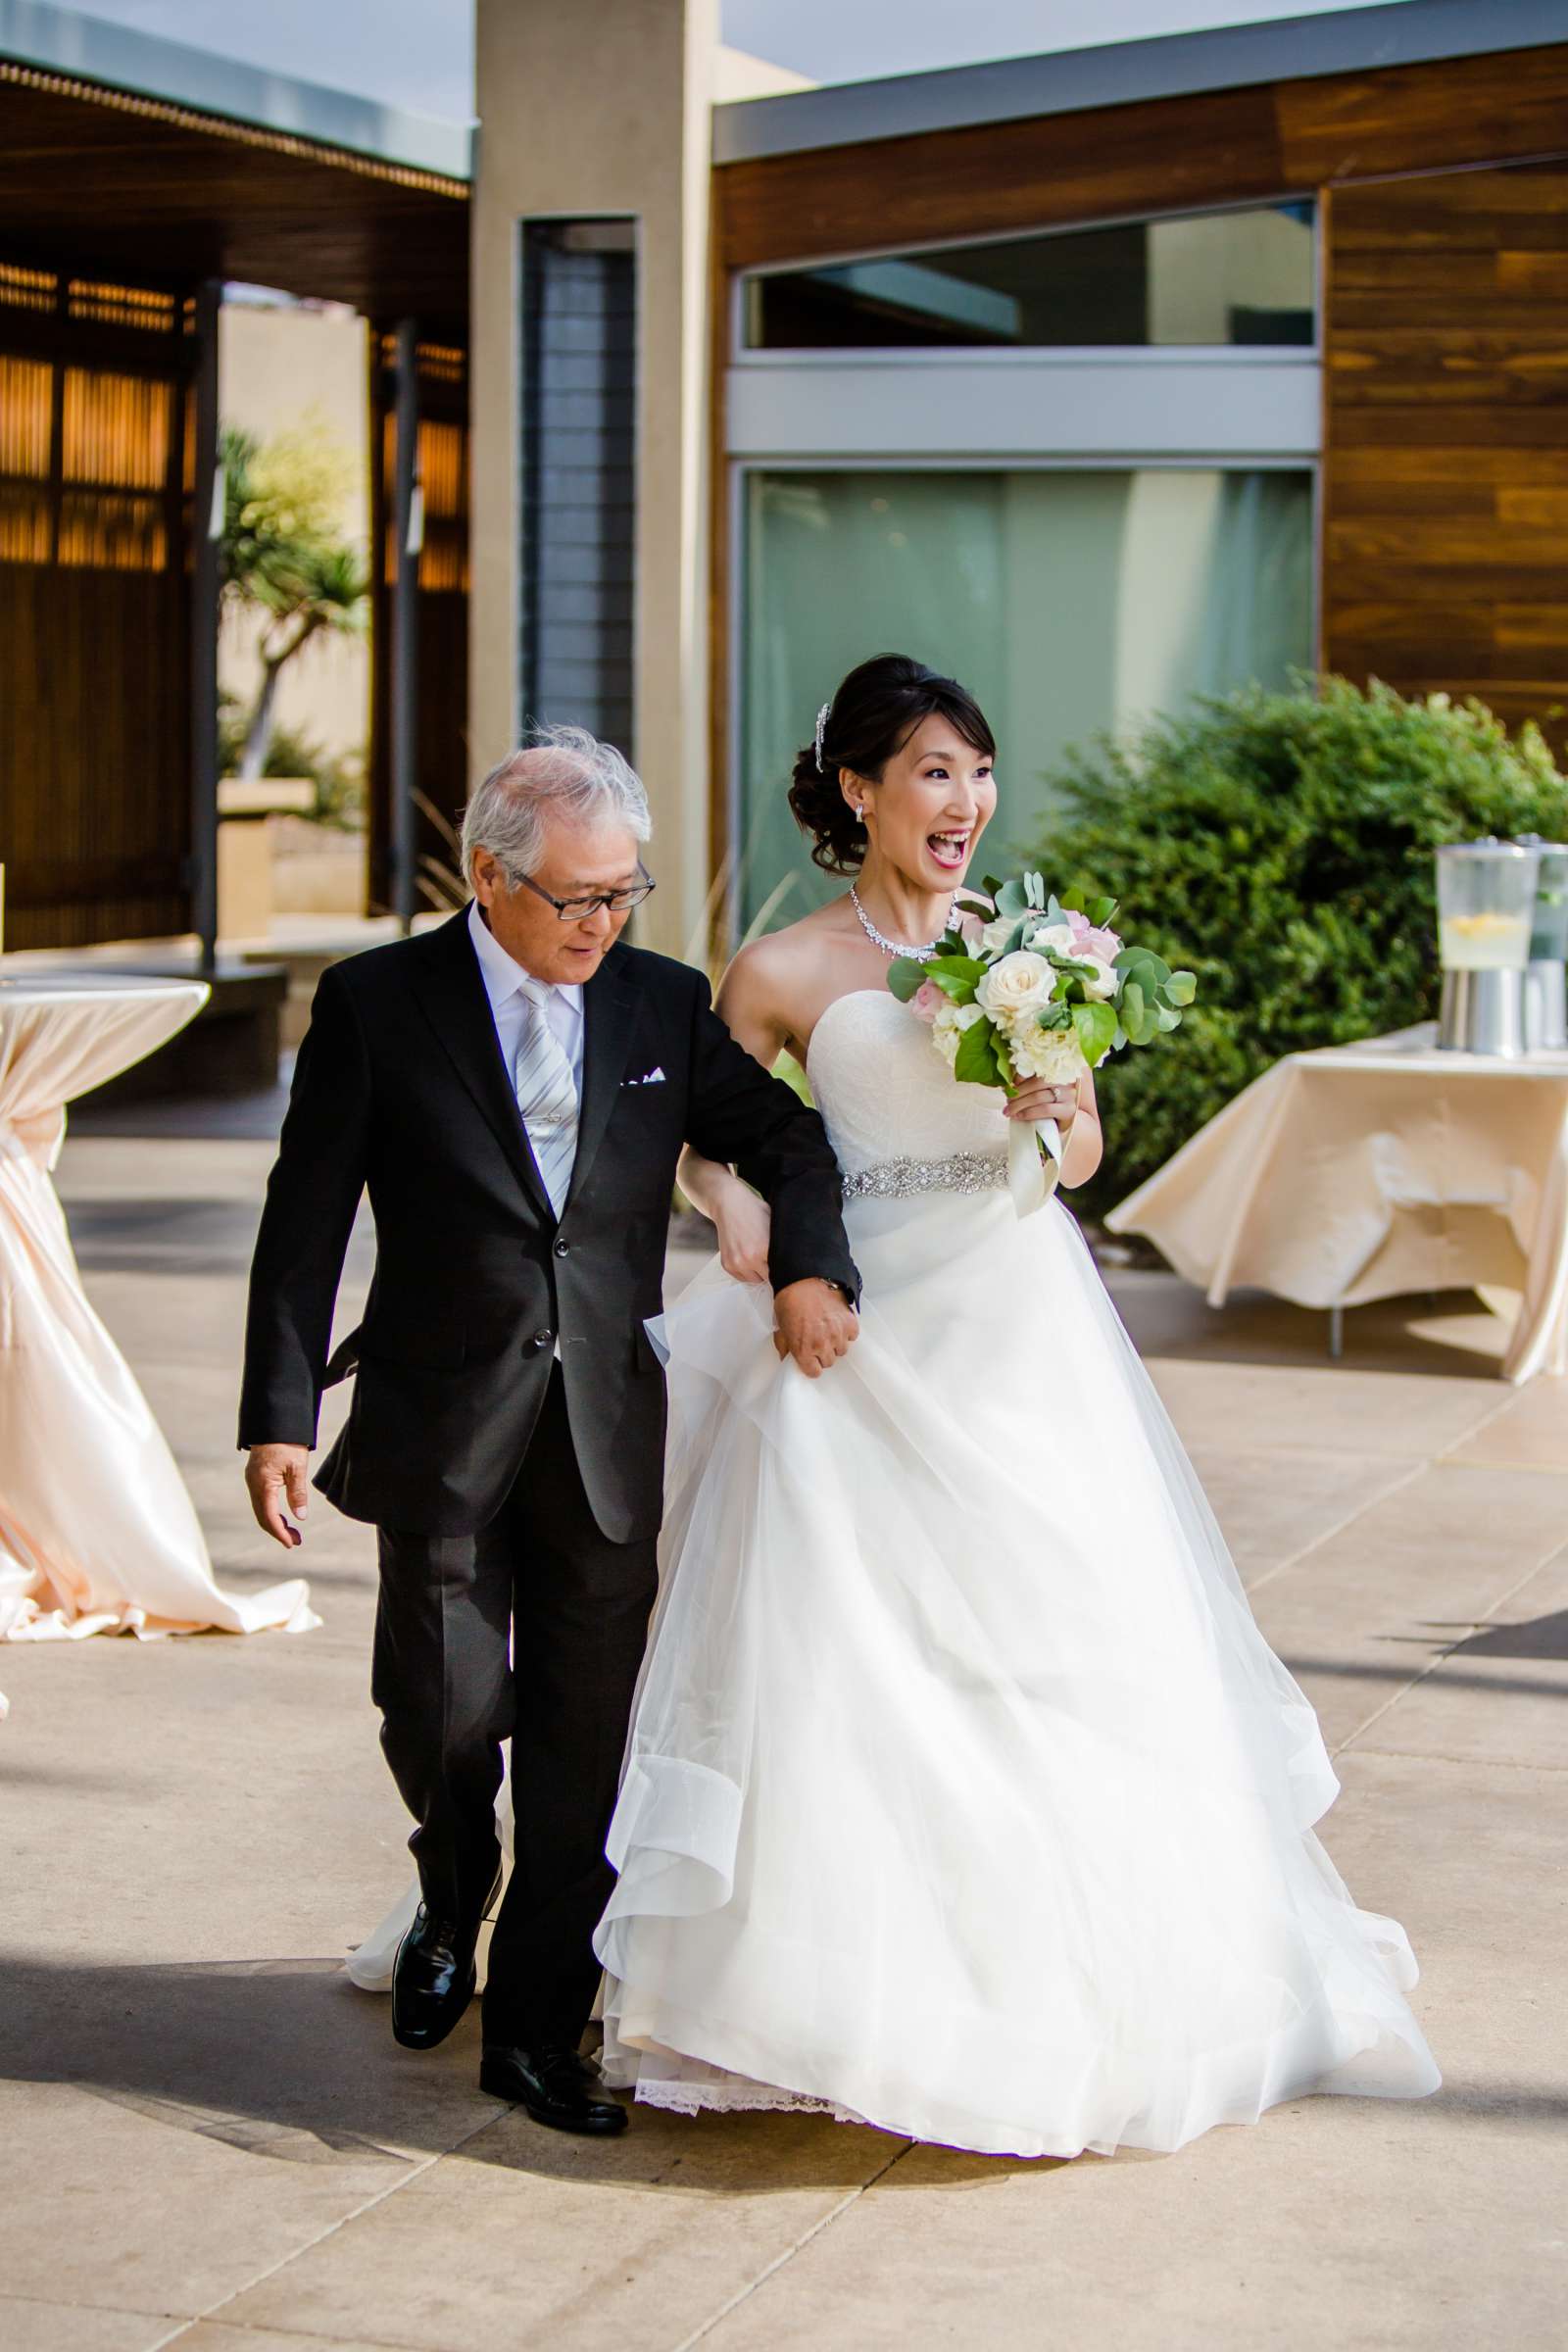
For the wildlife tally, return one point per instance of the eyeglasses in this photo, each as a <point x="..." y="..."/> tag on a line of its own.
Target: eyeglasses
<point x="579" y="910"/>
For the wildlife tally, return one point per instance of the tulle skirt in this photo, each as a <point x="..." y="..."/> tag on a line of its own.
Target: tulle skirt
<point x="963" y="1796"/>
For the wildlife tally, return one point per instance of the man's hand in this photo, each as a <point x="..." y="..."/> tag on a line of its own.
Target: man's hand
<point x="817" y="1324"/>
<point x="275" y="1476"/>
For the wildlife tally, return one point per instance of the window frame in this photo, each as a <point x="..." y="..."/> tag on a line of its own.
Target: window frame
<point x="741" y="355"/>
<point x="737" y="501"/>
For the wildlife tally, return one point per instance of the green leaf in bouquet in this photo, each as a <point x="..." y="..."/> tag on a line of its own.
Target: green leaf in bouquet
<point x="1168" y="1018"/>
<point x="1095" y="1026"/>
<point x="1131" y="1009"/>
<point x="957" y="976"/>
<point x="1181" y="988"/>
<point x="976" y="1063"/>
<point x="1011" y="896"/>
<point x="992" y="889"/>
<point x="1071" y="901"/>
<point x="1099" y="911"/>
<point x="1035" y="889"/>
<point x="1007" y="1076"/>
<point x="905" y="976"/>
<point x="1056" y="1016"/>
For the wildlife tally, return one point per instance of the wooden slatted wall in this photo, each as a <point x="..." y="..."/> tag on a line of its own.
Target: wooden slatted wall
<point x="94" y="654"/>
<point x="1446" y="474"/>
<point x="445" y="471"/>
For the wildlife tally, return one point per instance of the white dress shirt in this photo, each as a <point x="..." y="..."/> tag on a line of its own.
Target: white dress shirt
<point x="503" y="978"/>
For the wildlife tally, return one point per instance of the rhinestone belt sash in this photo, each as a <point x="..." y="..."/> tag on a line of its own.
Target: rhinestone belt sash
<point x="900" y="1179"/>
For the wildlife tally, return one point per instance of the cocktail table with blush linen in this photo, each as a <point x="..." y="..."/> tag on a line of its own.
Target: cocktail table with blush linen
<point x="97" y="1532"/>
<point x="1375" y="1169"/>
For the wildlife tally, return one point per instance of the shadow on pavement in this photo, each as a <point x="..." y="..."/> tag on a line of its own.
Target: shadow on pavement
<point x="284" y="2059"/>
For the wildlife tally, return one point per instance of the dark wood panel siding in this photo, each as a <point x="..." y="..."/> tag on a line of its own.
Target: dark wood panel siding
<point x="94" y="633"/>
<point x="1162" y="156"/>
<point x="1177" y="156"/>
<point x="1446" y="474"/>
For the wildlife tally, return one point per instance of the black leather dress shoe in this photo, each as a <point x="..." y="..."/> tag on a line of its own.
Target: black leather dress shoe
<point x="556" y="2086"/>
<point x="433" y="1977"/>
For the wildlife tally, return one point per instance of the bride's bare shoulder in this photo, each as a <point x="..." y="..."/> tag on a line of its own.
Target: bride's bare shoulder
<point x="777" y="978"/>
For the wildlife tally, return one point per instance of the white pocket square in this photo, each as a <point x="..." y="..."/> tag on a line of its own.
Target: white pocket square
<point x="654" y="1078"/>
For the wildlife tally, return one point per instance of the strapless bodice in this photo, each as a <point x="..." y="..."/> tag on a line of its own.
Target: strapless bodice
<point x="885" y="1092"/>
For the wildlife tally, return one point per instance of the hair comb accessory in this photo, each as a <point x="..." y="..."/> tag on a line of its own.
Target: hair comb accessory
<point x="821" y="730"/>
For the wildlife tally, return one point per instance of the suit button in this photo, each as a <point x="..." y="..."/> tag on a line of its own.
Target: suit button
<point x="563" y="1249"/>
<point x="544" y="1339"/>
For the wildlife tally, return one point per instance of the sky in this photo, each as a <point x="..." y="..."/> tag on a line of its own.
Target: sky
<point x="418" y="54"/>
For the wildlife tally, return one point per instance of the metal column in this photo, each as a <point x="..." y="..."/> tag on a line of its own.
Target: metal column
<point x="206" y="587"/>
<point x="408" y="528"/>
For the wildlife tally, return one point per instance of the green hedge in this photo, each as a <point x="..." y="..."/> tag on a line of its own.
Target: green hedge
<point x="1280" y="846"/>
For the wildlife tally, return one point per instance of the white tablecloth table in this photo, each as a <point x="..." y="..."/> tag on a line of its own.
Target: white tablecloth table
<point x="97" y="1533"/>
<point x="1372" y="1170"/>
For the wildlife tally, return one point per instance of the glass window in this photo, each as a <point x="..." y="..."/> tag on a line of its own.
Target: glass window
<point x="1068" y="601"/>
<point x="1215" y="278"/>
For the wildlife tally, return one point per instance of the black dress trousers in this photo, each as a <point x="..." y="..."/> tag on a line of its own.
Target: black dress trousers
<point x="534" y="1626"/>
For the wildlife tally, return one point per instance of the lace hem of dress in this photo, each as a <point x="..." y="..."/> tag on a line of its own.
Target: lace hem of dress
<point x="737" y="2098"/>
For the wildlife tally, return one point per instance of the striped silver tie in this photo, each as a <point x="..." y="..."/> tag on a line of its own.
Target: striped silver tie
<point x="546" y="1097"/>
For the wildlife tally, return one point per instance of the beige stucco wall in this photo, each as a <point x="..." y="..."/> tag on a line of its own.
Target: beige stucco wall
<point x="604" y="107"/>
<point x="280" y="370"/>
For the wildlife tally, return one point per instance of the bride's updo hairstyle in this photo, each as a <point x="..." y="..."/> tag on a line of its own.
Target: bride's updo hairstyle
<point x="870" y="718"/>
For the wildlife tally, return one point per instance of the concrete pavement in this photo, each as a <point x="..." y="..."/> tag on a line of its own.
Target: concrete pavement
<point x="210" y="2139"/>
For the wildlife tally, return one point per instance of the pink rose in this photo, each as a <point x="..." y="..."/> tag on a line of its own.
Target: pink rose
<point x="972" y="922"/>
<point x="927" y="1000"/>
<point x="1090" y="941"/>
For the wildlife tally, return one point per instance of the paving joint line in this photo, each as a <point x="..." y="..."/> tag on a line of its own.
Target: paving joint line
<point x="1443" y="1655"/>
<point x="1437" y="1755"/>
<point x="1293" y="1559"/>
<point x="368" y="2205"/>
<point x="746" y="2293"/>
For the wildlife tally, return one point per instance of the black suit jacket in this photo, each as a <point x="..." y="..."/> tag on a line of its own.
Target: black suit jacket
<point x="401" y="1088"/>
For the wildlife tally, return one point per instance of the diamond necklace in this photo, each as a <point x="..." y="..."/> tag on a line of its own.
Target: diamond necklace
<point x="893" y="947"/>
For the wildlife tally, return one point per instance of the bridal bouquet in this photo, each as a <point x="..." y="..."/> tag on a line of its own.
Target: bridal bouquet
<point x="1033" y="986"/>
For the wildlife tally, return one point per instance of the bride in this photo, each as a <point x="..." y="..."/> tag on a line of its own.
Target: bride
<point x="963" y="1796"/>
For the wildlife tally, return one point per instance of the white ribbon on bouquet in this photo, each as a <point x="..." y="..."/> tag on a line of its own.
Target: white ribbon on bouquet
<point x="1033" y="1173"/>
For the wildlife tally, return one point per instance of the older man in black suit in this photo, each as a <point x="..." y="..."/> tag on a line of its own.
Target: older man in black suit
<point x="514" y="1089"/>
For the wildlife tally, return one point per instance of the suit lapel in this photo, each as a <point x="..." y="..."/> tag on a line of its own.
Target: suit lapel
<point x="607" y="1004"/>
<point x="452" y="996"/>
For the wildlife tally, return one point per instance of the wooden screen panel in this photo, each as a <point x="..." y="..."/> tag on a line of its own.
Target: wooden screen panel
<point x="1446" y="471"/>
<point x="445" y="472"/>
<point x="94" y="653"/>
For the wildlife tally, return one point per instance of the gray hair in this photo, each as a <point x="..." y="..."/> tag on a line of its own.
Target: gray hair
<point x="564" y="771"/>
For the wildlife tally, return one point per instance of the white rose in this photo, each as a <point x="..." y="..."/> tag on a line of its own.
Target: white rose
<point x="1022" y="984"/>
<point x="1054" y="935"/>
<point x="1053" y="1054"/>
<point x="950" y="1025"/>
<point x="1102" y="986"/>
<point x="996" y="935"/>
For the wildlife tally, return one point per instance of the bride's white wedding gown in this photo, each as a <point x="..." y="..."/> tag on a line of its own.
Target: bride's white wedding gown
<point x="963" y="1796"/>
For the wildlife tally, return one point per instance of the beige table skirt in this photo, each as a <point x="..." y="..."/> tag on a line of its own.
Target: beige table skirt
<point x="97" y="1532"/>
<point x="1374" y="1170"/>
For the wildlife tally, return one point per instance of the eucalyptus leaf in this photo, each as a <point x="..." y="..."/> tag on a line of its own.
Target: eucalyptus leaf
<point x="905" y="977"/>
<point x="1131" y="1009"/>
<point x="1181" y="988"/>
<point x="1096" y="1028"/>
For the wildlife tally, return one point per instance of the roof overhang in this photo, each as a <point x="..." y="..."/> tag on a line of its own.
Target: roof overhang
<point x="155" y="189"/>
<point x="1357" y="40"/>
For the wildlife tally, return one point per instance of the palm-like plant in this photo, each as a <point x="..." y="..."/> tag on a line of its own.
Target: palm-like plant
<point x="283" y="557"/>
